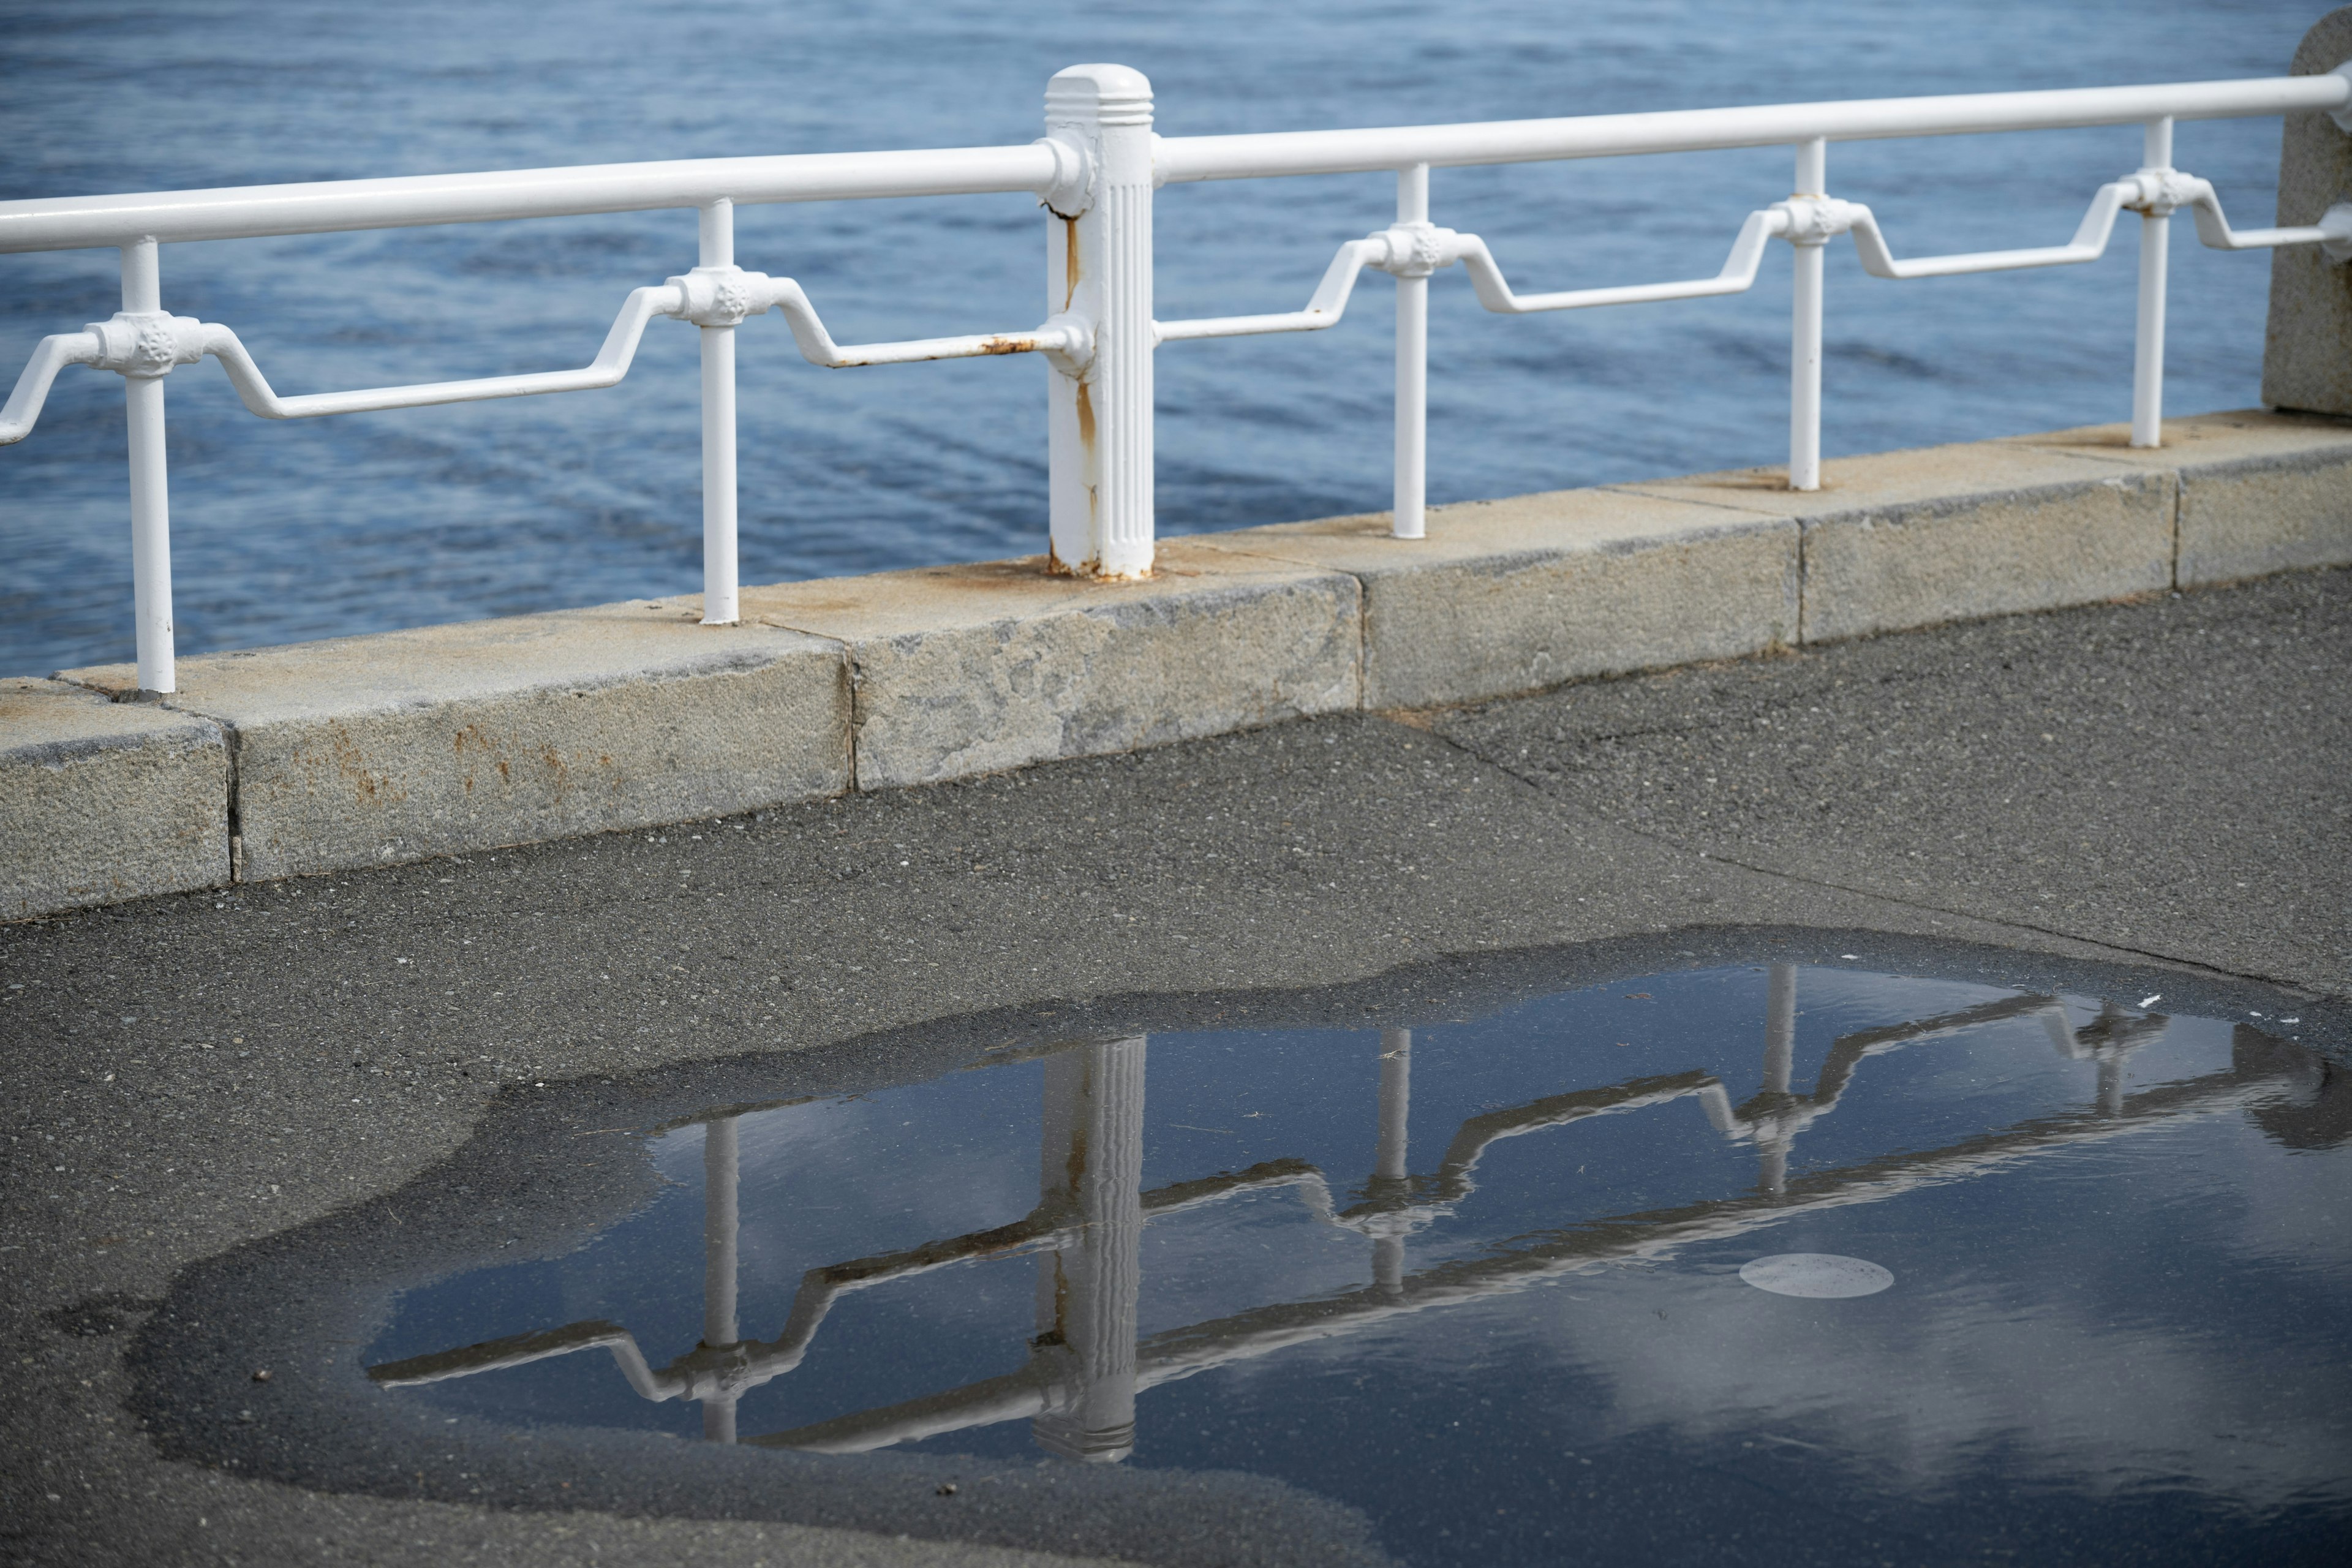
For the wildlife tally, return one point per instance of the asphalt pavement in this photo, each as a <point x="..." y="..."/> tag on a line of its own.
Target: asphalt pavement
<point x="189" y="1080"/>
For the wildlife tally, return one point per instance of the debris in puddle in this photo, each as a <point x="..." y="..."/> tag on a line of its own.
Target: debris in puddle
<point x="1820" y="1275"/>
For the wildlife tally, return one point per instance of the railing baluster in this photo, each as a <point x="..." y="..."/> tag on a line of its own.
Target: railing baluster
<point x="150" y="491"/>
<point x="718" y="581"/>
<point x="2155" y="245"/>
<point x="1805" y="330"/>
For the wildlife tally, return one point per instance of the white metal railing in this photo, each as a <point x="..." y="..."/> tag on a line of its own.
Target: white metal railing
<point x="1094" y="171"/>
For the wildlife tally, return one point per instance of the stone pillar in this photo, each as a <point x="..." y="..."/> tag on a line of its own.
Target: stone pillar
<point x="2307" y="353"/>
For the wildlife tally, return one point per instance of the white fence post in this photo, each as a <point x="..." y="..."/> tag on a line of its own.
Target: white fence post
<point x="150" y="491"/>
<point x="1805" y="330"/>
<point x="717" y="226"/>
<point x="1098" y="268"/>
<point x="1407" y="517"/>
<point x="2155" y="242"/>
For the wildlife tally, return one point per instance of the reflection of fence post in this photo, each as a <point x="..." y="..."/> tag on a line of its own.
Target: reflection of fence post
<point x="721" y="1172"/>
<point x="1093" y="1153"/>
<point x="2107" y="1042"/>
<point x="1779" y="1065"/>
<point x="1389" y="1161"/>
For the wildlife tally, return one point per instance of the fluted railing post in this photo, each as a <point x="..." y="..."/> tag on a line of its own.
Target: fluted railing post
<point x="1099" y="268"/>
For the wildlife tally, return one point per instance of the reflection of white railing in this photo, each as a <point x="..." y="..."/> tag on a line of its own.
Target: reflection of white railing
<point x="724" y="1367"/>
<point x="1095" y="172"/>
<point x="1086" y="1366"/>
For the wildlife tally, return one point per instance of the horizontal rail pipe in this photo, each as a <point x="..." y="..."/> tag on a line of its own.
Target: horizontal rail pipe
<point x="1262" y="154"/>
<point x="335" y="206"/>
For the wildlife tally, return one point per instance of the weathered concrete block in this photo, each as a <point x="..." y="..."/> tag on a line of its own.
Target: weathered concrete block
<point x="103" y="800"/>
<point x="1949" y="533"/>
<point x="1508" y="595"/>
<point x="2307" y="349"/>
<point x="971" y="669"/>
<point x="369" y="749"/>
<point x="2259" y="491"/>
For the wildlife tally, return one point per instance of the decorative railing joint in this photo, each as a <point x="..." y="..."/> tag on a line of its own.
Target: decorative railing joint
<point x="146" y="343"/>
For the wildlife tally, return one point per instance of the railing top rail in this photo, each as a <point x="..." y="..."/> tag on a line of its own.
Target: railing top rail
<point x="1764" y="125"/>
<point x="332" y="206"/>
<point x="247" y="212"/>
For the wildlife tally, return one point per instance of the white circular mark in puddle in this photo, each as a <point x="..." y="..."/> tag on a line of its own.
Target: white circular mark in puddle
<point x="1816" y="1274"/>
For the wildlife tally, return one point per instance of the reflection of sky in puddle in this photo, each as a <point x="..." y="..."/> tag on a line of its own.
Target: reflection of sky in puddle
<point x="1480" y="1280"/>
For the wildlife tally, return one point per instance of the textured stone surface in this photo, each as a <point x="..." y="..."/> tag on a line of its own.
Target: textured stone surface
<point x="1949" y="533"/>
<point x="2307" y="350"/>
<point x="972" y="669"/>
<point x="369" y="750"/>
<point x="1509" y="595"/>
<point x="2259" y="491"/>
<point x="102" y="801"/>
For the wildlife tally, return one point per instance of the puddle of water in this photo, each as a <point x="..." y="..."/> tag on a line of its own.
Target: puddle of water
<point x="2041" y="1274"/>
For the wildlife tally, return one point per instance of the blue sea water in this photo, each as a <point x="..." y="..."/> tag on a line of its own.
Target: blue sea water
<point x="366" y="522"/>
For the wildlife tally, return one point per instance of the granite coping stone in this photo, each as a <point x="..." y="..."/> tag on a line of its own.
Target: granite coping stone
<point x="969" y="669"/>
<point x="372" y="750"/>
<point x="1899" y="539"/>
<point x="2260" y="490"/>
<point x="1506" y="597"/>
<point x="102" y="801"/>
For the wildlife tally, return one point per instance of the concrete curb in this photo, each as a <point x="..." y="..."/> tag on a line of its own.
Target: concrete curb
<point x="102" y="801"/>
<point x="372" y="750"/>
<point x="1949" y="533"/>
<point x="973" y="669"/>
<point x="1509" y="595"/>
<point x="364" y="750"/>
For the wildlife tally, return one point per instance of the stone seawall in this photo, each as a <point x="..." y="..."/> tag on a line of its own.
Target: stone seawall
<point x="371" y="750"/>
